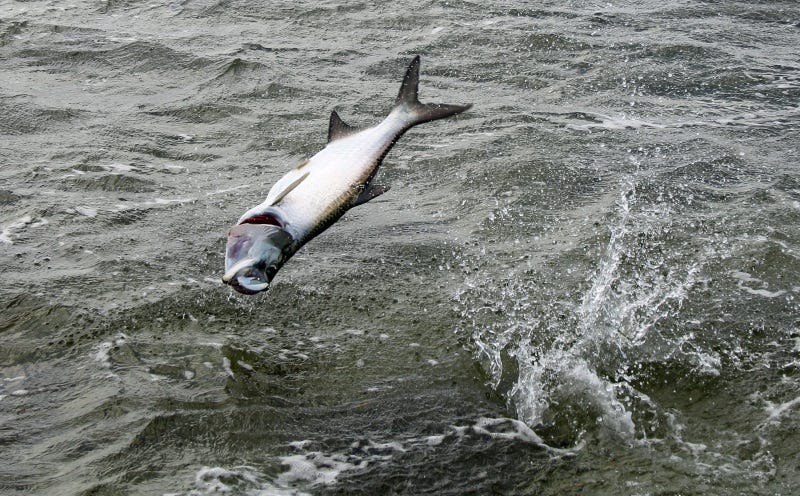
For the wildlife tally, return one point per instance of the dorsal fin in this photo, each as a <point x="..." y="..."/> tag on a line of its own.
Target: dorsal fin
<point x="288" y="189"/>
<point x="338" y="128"/>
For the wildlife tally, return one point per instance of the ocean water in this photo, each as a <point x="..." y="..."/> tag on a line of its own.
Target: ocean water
<point x="587" y="284"/>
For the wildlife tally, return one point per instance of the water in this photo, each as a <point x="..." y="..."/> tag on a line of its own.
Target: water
<point x="586" y="284"/>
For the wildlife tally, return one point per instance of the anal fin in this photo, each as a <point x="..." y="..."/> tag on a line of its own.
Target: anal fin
<point x="369" y="192"/>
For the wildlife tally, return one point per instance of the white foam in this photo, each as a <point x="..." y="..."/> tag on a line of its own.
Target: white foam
<point x="300" y="444"/>
<point x="746" y="119"/>
<point x="506" y="428"/>
<point x="157" y="202"/>
<point x="117" y="168"/>
<point x="291" y="355"/>
<point x="227" y="190"/>
<point x="318" y="468"/>
<point x="376" y="448"/>
<point x="615" y="123"/>
<point x="434" y="440"/>
<point x="308" y="469"/>
<point x="764" y="292"/>
<point x="173" y="168"/>
<point x="210" y="478"/>
<point x="776" y="411"/>
<point x="237" y="480"/>
<point x="744" y="277"/>
<point x="315" y="468"/>
<point x="226" y="366"/>
<point x="102" y="352"/>
<point x="86" y="211"/>
<point x="13" y="227"/>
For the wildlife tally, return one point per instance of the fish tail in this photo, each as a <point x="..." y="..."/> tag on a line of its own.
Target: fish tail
<point x="408" y="100"/>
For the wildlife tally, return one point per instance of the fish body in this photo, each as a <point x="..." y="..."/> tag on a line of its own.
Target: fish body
<point x="317" y="192"/>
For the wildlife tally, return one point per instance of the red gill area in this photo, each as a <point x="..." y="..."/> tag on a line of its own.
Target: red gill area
<point x="263" y="219"/>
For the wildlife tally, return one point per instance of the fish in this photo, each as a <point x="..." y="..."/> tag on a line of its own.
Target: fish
<point x="319" y="191"/>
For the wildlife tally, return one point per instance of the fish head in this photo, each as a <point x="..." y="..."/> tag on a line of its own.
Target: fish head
<point x="254" y="254"/>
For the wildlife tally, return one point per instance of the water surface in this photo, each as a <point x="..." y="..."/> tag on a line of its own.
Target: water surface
<point x="586" y="284"/>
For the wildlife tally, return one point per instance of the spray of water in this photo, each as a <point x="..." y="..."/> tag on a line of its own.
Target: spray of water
<point x="569" y="368"/>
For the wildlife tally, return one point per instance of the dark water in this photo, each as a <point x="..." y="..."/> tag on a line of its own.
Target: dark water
<point x="587" y="284"/>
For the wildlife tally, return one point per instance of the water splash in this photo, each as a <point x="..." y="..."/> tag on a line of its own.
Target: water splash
<point x="568" y="370"/>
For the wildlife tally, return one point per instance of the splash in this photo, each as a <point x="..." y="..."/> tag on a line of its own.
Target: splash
<point x="568" y="371"/>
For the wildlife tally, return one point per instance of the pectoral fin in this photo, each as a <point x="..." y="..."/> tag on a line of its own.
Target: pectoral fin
<point x="289" y="188"/>
<point x="369" y="192"/>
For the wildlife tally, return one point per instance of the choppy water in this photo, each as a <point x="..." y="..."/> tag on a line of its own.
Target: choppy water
<point x="586" y="284"/>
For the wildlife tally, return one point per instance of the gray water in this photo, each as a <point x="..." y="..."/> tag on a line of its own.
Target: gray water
<point x="587" y="284"/>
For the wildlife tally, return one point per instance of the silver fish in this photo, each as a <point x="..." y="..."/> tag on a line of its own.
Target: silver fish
<point x="316" y="193"/>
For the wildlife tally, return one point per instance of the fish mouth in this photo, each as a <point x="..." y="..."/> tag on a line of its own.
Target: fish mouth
<point x="256" y="250"/>
<point x="247" y="276"/>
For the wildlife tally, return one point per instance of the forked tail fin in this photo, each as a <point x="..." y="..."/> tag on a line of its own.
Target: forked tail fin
<point x="408" y="100"/>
